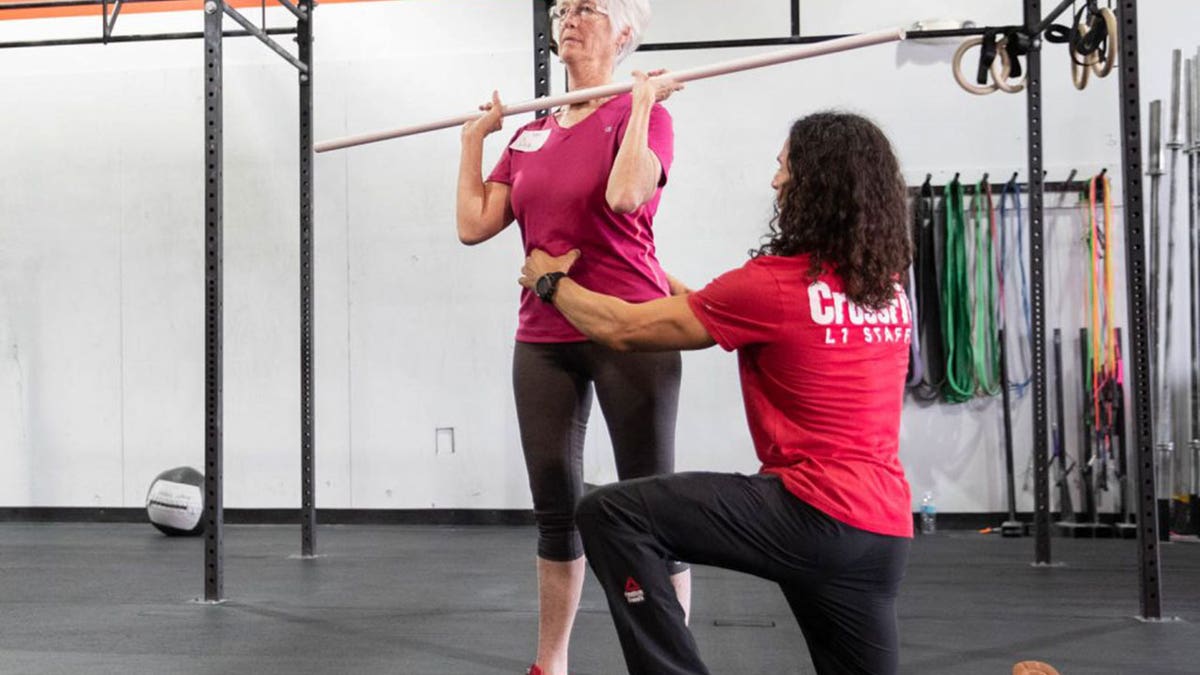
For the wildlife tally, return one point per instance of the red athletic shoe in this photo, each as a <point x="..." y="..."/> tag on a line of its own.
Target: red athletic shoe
<point x="1034" y="668"/>
<point x="533" y="670"/>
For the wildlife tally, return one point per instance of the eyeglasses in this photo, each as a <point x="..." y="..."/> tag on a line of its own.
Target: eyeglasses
<point x="583" y="11"/>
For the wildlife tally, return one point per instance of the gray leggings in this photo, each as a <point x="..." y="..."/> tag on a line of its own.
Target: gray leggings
<point x="639" y="396"/>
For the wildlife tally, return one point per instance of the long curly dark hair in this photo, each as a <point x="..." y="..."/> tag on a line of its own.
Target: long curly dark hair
<point x="844" y="205"/>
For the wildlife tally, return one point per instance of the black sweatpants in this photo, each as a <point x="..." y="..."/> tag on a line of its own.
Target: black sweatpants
<point x="840" y="582"/>
<point x="639" y="396"/>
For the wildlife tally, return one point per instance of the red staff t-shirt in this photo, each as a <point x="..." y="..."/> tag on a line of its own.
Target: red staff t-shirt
<point x="823" y="383"/>
<point x="559" y="177"/>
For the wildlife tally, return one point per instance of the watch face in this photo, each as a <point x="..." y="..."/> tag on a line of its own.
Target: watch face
<point x="547" y="284"/>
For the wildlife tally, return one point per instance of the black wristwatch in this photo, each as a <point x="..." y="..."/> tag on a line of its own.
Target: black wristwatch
<point x="547" y="285"/>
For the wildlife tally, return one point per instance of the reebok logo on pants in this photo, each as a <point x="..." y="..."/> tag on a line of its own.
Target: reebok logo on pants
<point x="633" y="592"/>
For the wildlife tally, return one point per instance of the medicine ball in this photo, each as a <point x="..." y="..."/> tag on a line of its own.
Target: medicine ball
<point x="175" y="503"/>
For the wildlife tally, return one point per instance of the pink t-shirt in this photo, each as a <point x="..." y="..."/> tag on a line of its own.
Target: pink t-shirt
<point x="823" y="383"/>
<point x="558" y="178"/>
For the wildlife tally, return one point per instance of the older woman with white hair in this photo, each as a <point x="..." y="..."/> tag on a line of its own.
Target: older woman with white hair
<point x="587" y="177"/>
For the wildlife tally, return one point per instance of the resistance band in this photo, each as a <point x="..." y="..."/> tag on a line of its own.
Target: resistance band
<point x="1012" y="193"/>
<point x="1103" y="355"/>
<point x="956" y="311"/>
<point x="984" y="338"/>
<point x="926" y="270"/>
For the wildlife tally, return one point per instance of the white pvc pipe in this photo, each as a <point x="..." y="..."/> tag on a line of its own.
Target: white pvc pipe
<point x="703" y="72"/>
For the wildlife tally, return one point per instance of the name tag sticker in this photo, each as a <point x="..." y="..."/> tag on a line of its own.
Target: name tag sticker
<point x="531" y="141"/>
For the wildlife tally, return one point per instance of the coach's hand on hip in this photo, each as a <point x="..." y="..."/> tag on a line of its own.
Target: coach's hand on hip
<point x="539" y="263"/>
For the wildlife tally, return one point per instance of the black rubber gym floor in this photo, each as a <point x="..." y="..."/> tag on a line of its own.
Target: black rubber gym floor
<point x="106" y="598"/>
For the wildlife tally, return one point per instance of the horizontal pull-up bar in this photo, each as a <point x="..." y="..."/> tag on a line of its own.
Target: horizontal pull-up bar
<point x="160" y="37"/>
<point x="724" y="68"/>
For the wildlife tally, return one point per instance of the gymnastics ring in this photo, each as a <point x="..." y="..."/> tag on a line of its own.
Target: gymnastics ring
<point x="971" y="87"/>
<point x="1081" y="71"/>
<point x="1000" y="77"/>
<point x="1103" y="67"/>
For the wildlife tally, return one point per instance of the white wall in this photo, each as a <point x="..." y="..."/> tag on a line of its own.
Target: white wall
<point x="101" y="305"/>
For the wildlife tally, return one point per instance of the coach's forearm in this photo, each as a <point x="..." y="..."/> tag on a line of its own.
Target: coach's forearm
<point x="602" y="318"/>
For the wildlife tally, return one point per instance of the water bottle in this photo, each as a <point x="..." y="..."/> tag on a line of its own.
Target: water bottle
<point x="928" y="514"/>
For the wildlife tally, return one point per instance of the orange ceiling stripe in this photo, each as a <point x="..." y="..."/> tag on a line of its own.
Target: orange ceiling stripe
<point x="130" y="8"/>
